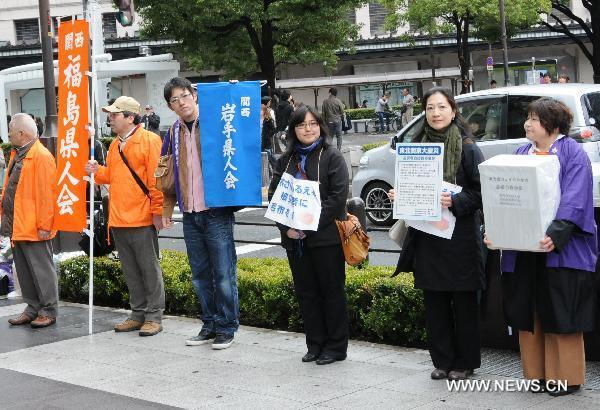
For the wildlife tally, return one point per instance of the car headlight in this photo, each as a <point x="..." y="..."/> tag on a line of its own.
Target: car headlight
<point x="363" y="162"/>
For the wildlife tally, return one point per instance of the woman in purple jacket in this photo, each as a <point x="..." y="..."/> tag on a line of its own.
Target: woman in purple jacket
<point x="549" y="296"/>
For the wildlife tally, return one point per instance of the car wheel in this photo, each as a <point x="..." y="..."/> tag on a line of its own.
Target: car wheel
<point x="375" y="196"/>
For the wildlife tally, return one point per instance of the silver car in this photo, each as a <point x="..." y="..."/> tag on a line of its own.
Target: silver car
<point x="496" y="117"/>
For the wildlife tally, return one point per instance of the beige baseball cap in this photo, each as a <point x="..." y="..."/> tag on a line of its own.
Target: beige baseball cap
<point x="123" y="103"/>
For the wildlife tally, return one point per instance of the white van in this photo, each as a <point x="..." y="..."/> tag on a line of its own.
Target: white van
<point x="496" y="117"/>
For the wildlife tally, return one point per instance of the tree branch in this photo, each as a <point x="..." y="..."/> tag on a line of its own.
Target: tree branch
<point x="576" y="40"/>
<point x="228" y="28"/>
<point x="569" y="13"/>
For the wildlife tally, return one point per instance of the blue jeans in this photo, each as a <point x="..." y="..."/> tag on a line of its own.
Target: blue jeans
<point x="383" y="120"/>
<point x="211" y="251"/>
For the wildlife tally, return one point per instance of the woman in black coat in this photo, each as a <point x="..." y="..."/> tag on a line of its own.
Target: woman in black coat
<point x="450" y="271"/>
<point x="316" y="257"/>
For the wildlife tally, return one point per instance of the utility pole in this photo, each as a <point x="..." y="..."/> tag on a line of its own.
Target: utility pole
<point x="50" y="132"/>
<point x="504" y="46"/>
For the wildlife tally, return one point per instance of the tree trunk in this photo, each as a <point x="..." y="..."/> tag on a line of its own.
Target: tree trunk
<point x="267" y="59"/>
<point x="462" y="43"/>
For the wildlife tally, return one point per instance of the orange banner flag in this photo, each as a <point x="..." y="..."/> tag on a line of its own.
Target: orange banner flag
<point x="72" y="150"/>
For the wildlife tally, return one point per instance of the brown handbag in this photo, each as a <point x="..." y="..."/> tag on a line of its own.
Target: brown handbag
<point x="355" y="241"/>
<point x="165" y="170"/>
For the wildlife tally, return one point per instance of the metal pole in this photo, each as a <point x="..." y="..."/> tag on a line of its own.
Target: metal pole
<point x="504" y="46"/>
<point x="92" y="132"/>
<point x="49" y="138"/>
<point x="431" y="60"/>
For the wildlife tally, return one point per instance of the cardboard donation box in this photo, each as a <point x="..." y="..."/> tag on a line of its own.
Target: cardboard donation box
<point x="521" y="194"/>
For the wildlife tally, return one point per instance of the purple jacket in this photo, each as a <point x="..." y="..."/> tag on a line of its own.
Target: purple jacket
<point x="576" y="205"/>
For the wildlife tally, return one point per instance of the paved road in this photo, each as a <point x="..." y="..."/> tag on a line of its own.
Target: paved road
<point x="271" y="234"/>
<point x="380" y="240"/>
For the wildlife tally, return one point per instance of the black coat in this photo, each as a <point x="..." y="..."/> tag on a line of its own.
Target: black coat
<point x="282" y="115"/>
<point x="455" y="264"/>
<point x="333" y="188"/>
<point x="267" y="131"/>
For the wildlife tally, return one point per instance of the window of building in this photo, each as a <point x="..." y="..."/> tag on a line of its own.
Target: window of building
<point x="377" y="15"/>
<point x="109" y="24"/>
<point x="27" y="29"/>
<point x="352" y="16"/>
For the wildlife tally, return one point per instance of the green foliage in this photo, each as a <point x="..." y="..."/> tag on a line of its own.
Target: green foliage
<point x="372" y="145"/>
<point x="361" y="113"/>
<point x="106" y="141"/>
<point x="242" y="37"/>
<point x="380" y="308"/>
<point x="6" y="147"/>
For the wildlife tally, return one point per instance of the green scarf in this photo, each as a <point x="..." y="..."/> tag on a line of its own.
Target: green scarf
<point x="452" y="148"/>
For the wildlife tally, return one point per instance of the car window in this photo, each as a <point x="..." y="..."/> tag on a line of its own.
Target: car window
<point x="591" y="108"/>
<point x="484" y="117"/>
<point x="414" y="129"/>
<point x="517" y="115"/>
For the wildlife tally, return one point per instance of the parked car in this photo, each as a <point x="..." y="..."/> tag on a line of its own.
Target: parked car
<point x="496" y="117"/>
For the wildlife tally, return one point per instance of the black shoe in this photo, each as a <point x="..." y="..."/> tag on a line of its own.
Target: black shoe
<point x="222" y="341"/>
<point x="459" y="374"/>
<point x="556" y="392"/>
<point x="324" y="358"/>
<point x="205" y="336"/>
<point x="439" y="374"/>
<point x="309" y="357"/>
<point x="539" y="388"/>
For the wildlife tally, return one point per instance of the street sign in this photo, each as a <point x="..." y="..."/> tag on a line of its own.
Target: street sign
<point x="490" y="63"/>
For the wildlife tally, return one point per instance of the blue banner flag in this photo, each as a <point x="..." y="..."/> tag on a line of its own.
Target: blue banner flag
<point x="230" y="140"/>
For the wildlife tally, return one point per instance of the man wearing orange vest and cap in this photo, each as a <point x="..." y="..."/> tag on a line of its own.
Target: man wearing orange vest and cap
<point x="27" y="216"/>
<point x="135" y="213"/>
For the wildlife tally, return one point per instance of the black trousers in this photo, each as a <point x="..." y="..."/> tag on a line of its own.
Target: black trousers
<point x="453" y="329"/>
<point x="319" y="281"/>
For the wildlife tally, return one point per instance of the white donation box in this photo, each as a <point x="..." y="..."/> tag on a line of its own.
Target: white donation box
<point x="521" y="194"/>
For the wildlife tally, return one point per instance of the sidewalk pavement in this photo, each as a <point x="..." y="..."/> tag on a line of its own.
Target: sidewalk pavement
<point x="63" y="367"/>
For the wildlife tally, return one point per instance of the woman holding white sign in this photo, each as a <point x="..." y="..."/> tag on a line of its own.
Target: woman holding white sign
<point x="450" y="271"/>
<point x="549" y="296"/>
<point x="315" y="256"/>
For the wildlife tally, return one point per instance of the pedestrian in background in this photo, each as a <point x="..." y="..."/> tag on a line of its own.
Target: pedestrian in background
<point x="333" y="114"/>
<point x="316" y="257"/>
<point x="208" y="232"/>
<point x="381" y="109"/>
<point x="135" y="213"/>
<point x="547" y="79"/>
<point x="283" y="111"/>
<point x="151" y="120"/>
<point x="408" y="102"/>
<point x="450" y="271"/>
<point x="27" y="207"/>
<point x="563" y="79"/>
<point x="550" y="296"/>
<point x="267" y="129"/>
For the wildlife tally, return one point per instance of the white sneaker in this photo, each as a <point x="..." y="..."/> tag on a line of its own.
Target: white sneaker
<point x="222" y="342"/>
<point x="14" y="295"/>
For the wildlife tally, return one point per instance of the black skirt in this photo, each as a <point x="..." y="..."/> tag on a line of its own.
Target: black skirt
<point x="563" y="298"/>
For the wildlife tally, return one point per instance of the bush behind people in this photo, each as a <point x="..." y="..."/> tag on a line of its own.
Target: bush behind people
<point x="381" y="309"/>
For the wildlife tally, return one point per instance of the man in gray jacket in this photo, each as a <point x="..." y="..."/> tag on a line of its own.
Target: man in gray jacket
<point x="333" y="113"/>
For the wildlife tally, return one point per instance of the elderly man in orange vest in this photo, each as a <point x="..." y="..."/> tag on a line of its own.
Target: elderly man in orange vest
<point x="135" y="213"/>
<point x="27" y="216"/>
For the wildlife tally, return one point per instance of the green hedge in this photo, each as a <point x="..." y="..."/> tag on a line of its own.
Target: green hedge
<point x="372" y="145"/>
<point x="381" y="309"/>
<point x="360" y="113"/>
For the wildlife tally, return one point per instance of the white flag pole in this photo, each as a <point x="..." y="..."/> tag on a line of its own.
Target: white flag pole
<point x="92" y="132"/>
